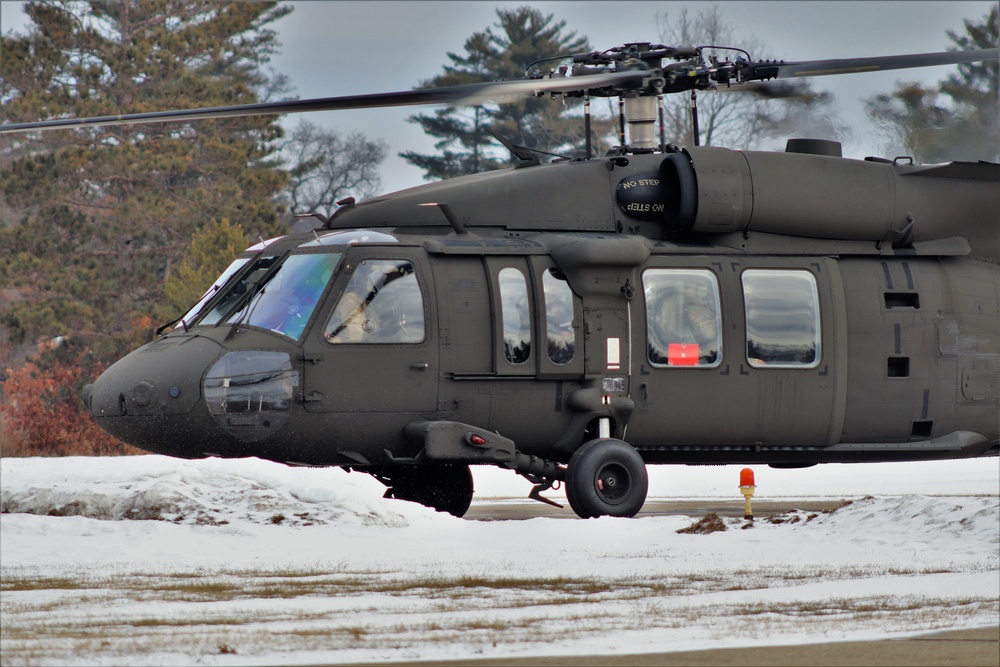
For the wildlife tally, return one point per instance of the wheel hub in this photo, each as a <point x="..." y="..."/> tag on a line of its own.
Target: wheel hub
<point x="613" y="482"/>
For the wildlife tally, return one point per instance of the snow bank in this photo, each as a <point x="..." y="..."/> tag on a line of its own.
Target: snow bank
<point x="151" y="560"/>
<point x="205" y="492"/>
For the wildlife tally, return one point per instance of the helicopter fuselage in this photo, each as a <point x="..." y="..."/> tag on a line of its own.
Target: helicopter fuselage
<point x="548" y="317"/>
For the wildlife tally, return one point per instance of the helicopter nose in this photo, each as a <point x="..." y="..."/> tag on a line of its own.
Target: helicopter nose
<point x="138" y="399"/>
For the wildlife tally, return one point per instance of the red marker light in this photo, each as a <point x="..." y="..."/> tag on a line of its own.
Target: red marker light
<point x="747" y="488"/>
<point x="477" y="440"/>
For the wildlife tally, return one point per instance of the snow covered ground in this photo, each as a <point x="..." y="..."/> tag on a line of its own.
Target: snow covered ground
<point x="150" y="560"/>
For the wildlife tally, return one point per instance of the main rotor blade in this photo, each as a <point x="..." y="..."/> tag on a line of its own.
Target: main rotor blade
<point x="804" y="68"/>
<point x="469" y="94"/>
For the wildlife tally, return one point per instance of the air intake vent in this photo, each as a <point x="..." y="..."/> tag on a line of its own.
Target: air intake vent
<point x="898" y="367"/>
<point x="814" y="147"/>
<point x="902" y="300"/>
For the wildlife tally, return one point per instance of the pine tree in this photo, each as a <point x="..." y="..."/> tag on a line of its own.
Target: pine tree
<point x="92" y="219"/>
<point x="521" y="37"/>
<point x="212" y="249"/>
<point x="95" y="216"/>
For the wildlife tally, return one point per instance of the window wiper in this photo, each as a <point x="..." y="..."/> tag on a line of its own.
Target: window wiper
<point x="161" y="329"/>
<point x="252" y="290"/>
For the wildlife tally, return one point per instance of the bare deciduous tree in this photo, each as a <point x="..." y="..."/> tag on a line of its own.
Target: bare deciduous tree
<point x="326" y="166"/>
<point x="741" y="120"/>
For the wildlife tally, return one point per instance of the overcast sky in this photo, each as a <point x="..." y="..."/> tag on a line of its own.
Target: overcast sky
<point x="343" y="48"/>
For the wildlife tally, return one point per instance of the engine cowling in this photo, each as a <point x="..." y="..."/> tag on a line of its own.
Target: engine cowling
<point x="717" y="190"/>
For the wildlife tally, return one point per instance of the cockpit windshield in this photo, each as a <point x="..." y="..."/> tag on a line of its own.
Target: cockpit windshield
<point x="286" y="299"/>
<point x="190" y="315"/>
<point x="238" y="290"/>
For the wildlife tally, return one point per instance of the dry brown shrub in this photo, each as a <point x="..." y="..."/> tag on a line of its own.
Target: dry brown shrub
<point x="43" y="414"/>
<point x="710" y="523"/>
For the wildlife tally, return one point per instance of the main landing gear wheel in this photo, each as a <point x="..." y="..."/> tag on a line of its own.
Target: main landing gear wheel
<point x="446" y="487"/>
<point x="606" y="477"/>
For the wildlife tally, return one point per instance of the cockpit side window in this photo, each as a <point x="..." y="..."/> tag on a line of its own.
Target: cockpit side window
<point x="383" y="303"/>
<point x="683" y="317"/>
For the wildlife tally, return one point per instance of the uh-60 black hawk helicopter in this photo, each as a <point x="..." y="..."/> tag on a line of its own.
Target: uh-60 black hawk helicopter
<point x="578" y="320"/>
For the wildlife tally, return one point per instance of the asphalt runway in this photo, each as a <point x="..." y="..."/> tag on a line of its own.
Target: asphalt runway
<point x="529" y="509"/>
<point x="978" y="647"/>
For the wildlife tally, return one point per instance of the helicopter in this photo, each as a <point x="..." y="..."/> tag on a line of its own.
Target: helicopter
<point x="577" y="320"/>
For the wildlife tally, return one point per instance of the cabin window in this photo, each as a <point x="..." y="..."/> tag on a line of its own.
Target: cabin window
<point x="683" y="317"/>
<point x="782" y="316"/>
<point x="286" y="301"/>
<point x="383" y="303"/>
<point x="516" y="315"/>
<point x="559" y="332"/>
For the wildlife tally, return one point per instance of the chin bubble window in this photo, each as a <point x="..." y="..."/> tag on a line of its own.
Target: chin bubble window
<point x="383" y="303"/>
<point x="250" y="393"/>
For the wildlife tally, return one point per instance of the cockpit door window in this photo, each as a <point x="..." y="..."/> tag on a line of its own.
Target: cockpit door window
<point x="383" y="303"/>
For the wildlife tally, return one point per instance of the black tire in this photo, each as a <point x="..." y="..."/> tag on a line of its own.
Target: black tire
<point x="606" y="477"/>
<point x="445" y="488"/>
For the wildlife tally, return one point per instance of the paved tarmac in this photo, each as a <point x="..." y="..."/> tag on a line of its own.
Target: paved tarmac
<point x="978" y="647"/>
<point x="529" y="509"/>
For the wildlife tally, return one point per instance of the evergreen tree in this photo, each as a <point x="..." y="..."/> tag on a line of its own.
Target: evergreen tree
<point x="95" y="216"/>
<point x="92" y="219"/>
<point x="503" y="51"/>
<point x="212" y="249"/>
<point x="959" y="119"/>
